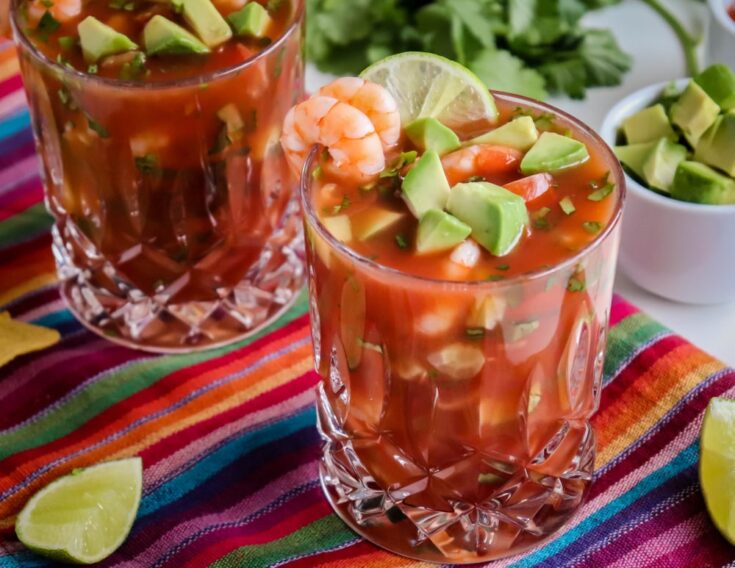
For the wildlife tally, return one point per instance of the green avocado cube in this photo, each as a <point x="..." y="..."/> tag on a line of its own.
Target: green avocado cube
<point x="717" y="146"/>
<point x="498" y="217"/>
<point x="428" y="134"/>
<point x="99" y="40"/>
<point x="425" y="186"/>
<point x="694" y="112"/>
<point x="648" y="125"/>
<point x="718" y="81"/>
<point x="699" y="183"/>
<point x="520" y="134"/>
<point x="252" y="21"/>
<point x="206" y="21"/>
<point x="660" y="165"/>
<point x="161" y="35"/>
<point x="373" y="221"/>
<point x="634" y="156"/>
<point x="438" y="231"/>
<point x="554" y="153"/>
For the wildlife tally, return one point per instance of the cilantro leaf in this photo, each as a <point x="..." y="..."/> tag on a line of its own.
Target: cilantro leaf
<point x="604" y="61"/>
<point x="503" y="71"/>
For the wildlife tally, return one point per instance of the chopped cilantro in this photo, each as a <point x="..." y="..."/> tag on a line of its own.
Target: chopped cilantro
<point x="317" y="173"/>
<point x="475" y="179"/>
<point x="274" y="5"/>
<point x="92" y="69"/>
<point x="134" y="68"/>
<point x="602" y="193"/>
<point x="567" y="206"/>
<point x="592" y="227"/>
<point x="342" y="206"/>
<point x="539" y="219"/>
<point x="402" y="161"/>
<point x="475" y="332"/>
<point x="98" y="128"/>
<point x="576" y="285"/>
<point x="401" y="241"/>
<point x="64" y="96"/>
<point x="147" y="164"/>
<point x="46" y="26"/>
<point x="495" y="278"/>
<point x="503" y="267"/>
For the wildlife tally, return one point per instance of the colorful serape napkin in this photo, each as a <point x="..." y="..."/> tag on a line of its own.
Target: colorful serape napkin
<point x="229" y="443"/>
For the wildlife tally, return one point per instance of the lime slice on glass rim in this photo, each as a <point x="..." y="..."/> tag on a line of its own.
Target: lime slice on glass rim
<point x="85" y="516"/>
<point x="717" y="464"/>
<point x="430" y="86"/>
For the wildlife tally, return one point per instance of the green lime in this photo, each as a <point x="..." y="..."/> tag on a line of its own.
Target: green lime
<point x="717" y="464"/>
<point x="429" y="86"/>
<point x="85" y="516"/>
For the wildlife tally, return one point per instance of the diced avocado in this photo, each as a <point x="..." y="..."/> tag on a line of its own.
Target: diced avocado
<point x="425" y="186"/>
<point x="252" y="21"/>
<point x="717" y="145"/>
<point x="339" y="227"/>
<point x="374" y="220"/>
<point x="164" y="36"/>
<point x="553" y="153"/>
<point x="718" y="81"/>
<point x="699" y="183"/>
<point x="206" y="22"/>
<point x="440" y="231"/>
<point x="428" y="134"/>
<point x="520" y="134"/>
<point x="634" y="156"/>
<point x="648" y="125"/>
<point x="99" y="40"/>
<point x="694" y="112"/>
<point x="497" y="216"/>
<point x="660" y="166"/>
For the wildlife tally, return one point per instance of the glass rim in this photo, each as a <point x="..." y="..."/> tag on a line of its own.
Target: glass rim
<point x="616" y="170"/>
<point x="22" y="40"/>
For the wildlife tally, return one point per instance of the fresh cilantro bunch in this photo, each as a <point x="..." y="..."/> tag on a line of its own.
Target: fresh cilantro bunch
<point x="530" y="47"/>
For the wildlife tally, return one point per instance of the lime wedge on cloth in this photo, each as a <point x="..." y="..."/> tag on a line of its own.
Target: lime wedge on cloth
<point x="85" y="516"/>
<point x="717" y="464"/>
<point x="430" y="86"/>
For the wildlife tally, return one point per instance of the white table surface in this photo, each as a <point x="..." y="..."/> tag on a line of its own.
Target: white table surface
<point x="657" y="57"/>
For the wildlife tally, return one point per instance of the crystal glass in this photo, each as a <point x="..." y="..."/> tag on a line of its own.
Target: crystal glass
<point x="177" y="221"/>
<point x="459" y="448"/>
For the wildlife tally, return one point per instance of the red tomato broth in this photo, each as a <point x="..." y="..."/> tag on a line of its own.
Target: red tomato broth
<point x="477" y="430"/>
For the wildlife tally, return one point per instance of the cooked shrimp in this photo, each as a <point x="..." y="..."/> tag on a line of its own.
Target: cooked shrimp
<point x="353" y="144"/>
<point x="372" y="99"/>
<point x="61" y="10"/>
<point x="480" y="160"/>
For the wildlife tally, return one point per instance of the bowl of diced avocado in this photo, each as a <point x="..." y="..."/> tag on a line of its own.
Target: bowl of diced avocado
<point x="676" y="142"/>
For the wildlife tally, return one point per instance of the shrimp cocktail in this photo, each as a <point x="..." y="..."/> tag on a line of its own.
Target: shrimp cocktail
<point x="158" y="125"/>
<point x="461" y="254"/>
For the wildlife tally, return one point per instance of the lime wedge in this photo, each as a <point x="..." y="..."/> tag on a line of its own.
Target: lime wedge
<point x="85" y="516"/>
<point x="717" y="464"/>
<point x="430" y="86"/>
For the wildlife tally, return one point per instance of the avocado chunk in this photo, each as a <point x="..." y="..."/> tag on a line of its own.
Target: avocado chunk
<point x="553" y="153"/>
<point x="634" y="156"/>
<point x="438" y="231"/>
<point x="718" y="81"/>
<point x="99" y="40"/>
<point x="161" y="35"/>
<point x="648" y="125"/>
<point x="660" y="165"/>
<point x="251" y="21"/>
<point x="339" y="227"/>
<point x="694" y="113"/>
<point x="428" y="134"/>
<point x="425" y="186"/>
<point x="520" y="134"/>
<point x="717" y="145"/>
<point x="699" y="183"/>
<point x="498" y="217"/>
<point x="206" y="22"/>
<point x="373" y="221"/>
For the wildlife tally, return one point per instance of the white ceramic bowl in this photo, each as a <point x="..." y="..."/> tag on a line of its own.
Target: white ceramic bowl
<point x="721" y="43"/>
<point x="678" y="250"/>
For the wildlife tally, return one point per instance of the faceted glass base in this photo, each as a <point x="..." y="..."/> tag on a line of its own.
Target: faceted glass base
<point x="106" y="302"/>
<point x="431" y="520"/>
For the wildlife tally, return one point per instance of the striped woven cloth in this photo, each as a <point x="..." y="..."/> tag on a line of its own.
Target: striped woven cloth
<point x="228" y="438"/>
